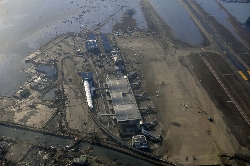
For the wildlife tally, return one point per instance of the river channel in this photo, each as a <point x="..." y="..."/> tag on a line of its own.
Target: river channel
<point x="59" y="142"/>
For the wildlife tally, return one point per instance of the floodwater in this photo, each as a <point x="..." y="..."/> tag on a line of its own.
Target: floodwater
<point x="178" y="19"/>
<point x="241" y="11"/>
<point x="27" y="25"/>
<point x="213" y="8"/>
<point x="61" y="143"/>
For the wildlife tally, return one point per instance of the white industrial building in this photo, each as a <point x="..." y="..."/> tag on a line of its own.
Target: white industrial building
<point x="123" y="100"/>
<point x="87" y="79"/>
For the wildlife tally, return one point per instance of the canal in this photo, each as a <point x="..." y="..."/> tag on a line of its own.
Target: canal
<point x="60" y="142"/>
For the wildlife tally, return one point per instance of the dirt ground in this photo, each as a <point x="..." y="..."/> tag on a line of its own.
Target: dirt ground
<point x="76" y="114"/>
<point x="186" y="132"/>
<point x="17" y="152"/>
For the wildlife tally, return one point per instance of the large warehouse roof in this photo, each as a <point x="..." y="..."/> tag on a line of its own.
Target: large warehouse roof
<point x="124" y="103"/>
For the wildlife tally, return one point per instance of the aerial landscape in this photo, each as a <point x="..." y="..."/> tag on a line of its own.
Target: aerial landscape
<point x="125" y="82"/>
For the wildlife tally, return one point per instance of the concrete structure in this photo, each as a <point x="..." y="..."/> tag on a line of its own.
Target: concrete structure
<point x="150" y="135"/>
<point x="49" y="71"/>
<point x="124" y="104"/>
<point x="140" y="142"/>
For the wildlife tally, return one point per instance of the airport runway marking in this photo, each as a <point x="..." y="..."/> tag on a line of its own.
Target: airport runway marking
<point x="226" y="90"/>
<point x="243" y="75"/>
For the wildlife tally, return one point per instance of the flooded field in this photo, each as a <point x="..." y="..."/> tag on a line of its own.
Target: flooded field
<point x="241" y="11"/>
<point x="25" y="26"/>
<point x="177" y="18"/>
<point x="213" y="8"/>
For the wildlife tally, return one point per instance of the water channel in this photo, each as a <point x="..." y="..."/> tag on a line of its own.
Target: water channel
<point x="61" y="143"/>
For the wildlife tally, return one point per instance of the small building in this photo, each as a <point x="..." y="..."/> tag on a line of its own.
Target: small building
<point x="82" y="160"/>
<point x="92" y="46"/>
<point x="140" y="142"/>
<point x="49" y="71"/>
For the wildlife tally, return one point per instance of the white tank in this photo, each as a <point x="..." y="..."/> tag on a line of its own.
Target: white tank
<point x="88" y="94"/>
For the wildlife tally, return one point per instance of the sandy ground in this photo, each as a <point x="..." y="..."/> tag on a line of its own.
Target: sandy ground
<point x="186" y="132"/>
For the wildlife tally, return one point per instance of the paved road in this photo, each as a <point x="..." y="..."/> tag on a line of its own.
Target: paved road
<point x="210" y="29"/>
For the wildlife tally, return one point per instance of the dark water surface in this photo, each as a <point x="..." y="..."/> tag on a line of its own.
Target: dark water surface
<point x="27" y="25"/>
<point x="61" y="143"/>
<point x="213" y="8"/>
<point x="241" y="11"/>
<point x="178" y="19"/>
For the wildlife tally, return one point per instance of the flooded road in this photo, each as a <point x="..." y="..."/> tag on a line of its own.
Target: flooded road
<point x="58" y="142"/>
